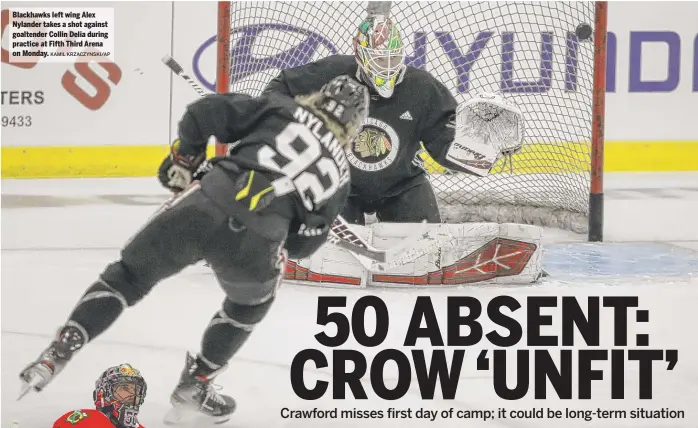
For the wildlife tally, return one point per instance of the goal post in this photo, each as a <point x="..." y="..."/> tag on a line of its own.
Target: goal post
<point x="595" y="230"/>
<point x="223" y="56"/>
<point x="547" y="57"/>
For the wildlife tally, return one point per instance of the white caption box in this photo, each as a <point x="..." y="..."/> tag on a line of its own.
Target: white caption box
<point x="60" y="35"/>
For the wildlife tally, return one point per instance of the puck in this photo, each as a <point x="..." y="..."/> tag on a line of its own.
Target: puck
<point x="583" y="31"/>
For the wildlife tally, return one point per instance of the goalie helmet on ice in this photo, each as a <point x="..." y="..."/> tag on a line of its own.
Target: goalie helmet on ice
<point x="119" y="393"/>
<point x="380" y="54"/>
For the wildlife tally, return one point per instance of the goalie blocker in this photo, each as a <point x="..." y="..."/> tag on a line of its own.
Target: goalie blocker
<point x="465" y="254"/>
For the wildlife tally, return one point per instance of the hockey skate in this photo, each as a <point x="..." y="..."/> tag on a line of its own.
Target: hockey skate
<point x="52" y="361"/>
<point x="195" y="399"/>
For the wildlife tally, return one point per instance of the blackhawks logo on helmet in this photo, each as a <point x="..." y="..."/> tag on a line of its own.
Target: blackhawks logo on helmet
<point x="127" y="370"/>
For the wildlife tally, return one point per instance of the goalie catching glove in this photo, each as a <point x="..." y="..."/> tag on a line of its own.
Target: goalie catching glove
<point x="179" y="169"/>
<point x="487" y="128"/>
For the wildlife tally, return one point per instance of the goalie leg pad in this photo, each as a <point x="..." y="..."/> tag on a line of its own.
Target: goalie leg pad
<point x="461" y="254"/>
<point x="466" y="253"/>
<point x="330" y="265"/>
<point x="229" y="329"/>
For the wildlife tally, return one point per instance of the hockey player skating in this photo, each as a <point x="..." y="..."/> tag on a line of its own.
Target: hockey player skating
<point x="118" y="395"/>
<point x="408" y="106"/>
<point x="280" y="188"/>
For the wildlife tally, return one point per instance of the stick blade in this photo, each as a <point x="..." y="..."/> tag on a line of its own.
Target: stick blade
<point x="368" y="253"/>
<point x="172" y="64"/>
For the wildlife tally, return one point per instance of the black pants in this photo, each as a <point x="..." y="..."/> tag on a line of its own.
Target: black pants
<point x="246" y="264"/>
<point x="245" y="256"/>
<point x="413" y="205"/>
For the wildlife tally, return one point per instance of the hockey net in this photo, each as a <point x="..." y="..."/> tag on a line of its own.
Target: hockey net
<point x="535" y="54"/>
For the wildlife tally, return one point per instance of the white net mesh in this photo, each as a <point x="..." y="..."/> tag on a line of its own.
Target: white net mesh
<point x="528" y="52"/>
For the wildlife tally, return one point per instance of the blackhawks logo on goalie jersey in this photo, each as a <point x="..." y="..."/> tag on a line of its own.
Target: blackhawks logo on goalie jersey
<point x="76" y="417"/>
<point x="375" y="147"/>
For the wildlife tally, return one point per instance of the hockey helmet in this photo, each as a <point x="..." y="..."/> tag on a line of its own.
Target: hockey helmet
<point x="119" y="393"/>
<point x="380" y="54"/>
<point x="344" y="102"/>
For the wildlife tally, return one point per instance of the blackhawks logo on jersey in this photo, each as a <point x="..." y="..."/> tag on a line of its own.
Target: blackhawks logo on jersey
<point x="76" y="417"/>
<point x="371" y="142"/>
<point x="375" y="147"/>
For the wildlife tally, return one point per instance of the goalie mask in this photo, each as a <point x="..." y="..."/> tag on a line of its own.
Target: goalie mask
<point x="119" y="393"/>
<point x="380" y="54"/>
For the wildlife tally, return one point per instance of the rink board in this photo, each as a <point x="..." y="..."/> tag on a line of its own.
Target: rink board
<point x="143" y="161"/>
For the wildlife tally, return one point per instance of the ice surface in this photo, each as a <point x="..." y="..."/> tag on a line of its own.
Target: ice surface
<point x="53" y="248"/>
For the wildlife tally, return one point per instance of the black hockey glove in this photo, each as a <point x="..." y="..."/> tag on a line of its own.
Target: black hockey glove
<point x="178" y="170"/>
<point x="305" y="239"/>
<point x="314" y="225"/>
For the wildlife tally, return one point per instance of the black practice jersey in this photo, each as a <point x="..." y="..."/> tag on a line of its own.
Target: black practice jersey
<point x="280" y="138"/>
<point x="421" y="109"/>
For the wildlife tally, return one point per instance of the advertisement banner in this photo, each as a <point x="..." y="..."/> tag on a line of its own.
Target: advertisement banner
<point x="126" y="111"/>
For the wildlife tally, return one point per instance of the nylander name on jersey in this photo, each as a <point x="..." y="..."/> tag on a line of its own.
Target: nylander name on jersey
<point x="327" y="139"/>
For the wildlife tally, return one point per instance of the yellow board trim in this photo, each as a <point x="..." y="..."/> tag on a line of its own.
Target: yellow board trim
<point x="143" y="161"/>
<point x="86" y="162"/>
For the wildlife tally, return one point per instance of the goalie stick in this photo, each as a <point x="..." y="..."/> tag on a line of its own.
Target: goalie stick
<point x="341" y="233"/>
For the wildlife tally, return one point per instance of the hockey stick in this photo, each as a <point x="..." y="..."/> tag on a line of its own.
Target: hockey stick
<point x="341" y="233"/>
<point x="410" y="249"/>
<point x="179" y="71"/>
